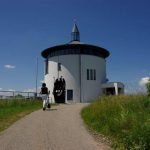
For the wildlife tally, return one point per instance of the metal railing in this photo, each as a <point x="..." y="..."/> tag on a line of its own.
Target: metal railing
<point x="18" y="95"/>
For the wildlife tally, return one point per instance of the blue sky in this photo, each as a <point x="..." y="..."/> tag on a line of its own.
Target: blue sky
<point x="29" y="26"/>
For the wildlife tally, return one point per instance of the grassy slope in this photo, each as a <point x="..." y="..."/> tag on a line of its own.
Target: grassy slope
<point x="12" y="110"/>
<point x="124" y="119"/>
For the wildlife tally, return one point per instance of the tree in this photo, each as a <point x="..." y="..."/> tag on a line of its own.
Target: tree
<point x="148" y="87"/>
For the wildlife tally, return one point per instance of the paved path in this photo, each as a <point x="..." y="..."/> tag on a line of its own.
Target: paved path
<point x="60" y="128"/>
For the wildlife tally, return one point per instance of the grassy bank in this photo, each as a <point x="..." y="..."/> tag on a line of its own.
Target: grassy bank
<point x="12" y="110"/>
<point x="124" y="119"/>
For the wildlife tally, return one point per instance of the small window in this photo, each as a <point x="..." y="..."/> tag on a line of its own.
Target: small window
<point x="46" y="66"/>
<point x="59" y="66"/>
<point x="94" y="74"/>
<point x="87" y="74"/>
<point x="91" y="74"/>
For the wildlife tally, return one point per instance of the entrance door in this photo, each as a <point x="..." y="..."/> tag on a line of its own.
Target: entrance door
<point x="110" y="91"/>
<point x="69" y="94"/>
<point x="59" y="90"/>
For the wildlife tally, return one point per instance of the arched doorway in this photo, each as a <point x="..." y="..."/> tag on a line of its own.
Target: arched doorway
<point x="59" y="90"/>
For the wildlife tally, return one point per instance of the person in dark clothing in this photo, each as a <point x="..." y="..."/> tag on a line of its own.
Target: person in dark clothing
<point x="45" y="96"/>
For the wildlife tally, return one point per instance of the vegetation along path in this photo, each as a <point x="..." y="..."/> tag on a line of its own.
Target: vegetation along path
<point x="60" y="128"/>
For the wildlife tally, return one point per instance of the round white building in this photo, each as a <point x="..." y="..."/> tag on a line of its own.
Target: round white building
<point x="75" y="71"/>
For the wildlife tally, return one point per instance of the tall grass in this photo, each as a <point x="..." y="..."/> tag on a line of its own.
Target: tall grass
<point x="12" y="110"/>
<point x="124" y="119"/>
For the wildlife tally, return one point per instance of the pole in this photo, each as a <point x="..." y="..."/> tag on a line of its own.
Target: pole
<point x="36" y="78"/>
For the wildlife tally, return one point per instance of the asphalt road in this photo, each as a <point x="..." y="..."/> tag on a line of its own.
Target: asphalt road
<point x="60" y="128"/>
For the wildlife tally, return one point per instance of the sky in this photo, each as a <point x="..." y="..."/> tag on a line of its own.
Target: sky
<point x="27" y="27"/>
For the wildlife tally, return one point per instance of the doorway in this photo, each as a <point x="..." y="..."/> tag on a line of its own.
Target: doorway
<point x="69" y="95"/>
<point x="59" y="90"/>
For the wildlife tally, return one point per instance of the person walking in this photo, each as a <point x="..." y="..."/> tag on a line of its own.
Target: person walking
<point x="45" y="96"/>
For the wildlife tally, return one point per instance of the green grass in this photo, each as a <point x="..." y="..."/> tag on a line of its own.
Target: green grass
<point x="12" y="110"/>
<point x="124" y="119"/>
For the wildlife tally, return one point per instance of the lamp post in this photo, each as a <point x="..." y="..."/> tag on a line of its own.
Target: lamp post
<point x="36" y="78"/>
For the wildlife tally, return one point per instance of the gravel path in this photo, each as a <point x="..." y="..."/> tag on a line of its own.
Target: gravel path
<point x="60" y="128"/>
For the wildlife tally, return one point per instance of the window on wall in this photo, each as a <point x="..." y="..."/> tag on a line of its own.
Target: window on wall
<point x="94" y="76"/>
<point x="91" y="74"/>
<point x="59" y="66"/>
<point x="88" y="74"/>
<point x="46" y="66"/>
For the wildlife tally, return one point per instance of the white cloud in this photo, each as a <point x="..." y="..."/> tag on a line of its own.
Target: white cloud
<point x="143" y="81"/>
<point x="32" y="90"/>
<point x="9" y="66"/>
<point x="1" y="88"/>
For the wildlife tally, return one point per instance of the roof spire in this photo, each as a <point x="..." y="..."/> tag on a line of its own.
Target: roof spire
<point x="75" y="34"/>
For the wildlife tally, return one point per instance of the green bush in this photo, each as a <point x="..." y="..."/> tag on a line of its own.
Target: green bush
<point x="124" y="119"/>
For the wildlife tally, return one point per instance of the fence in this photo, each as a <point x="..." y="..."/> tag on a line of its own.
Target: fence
<point x="17" y="95"/>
